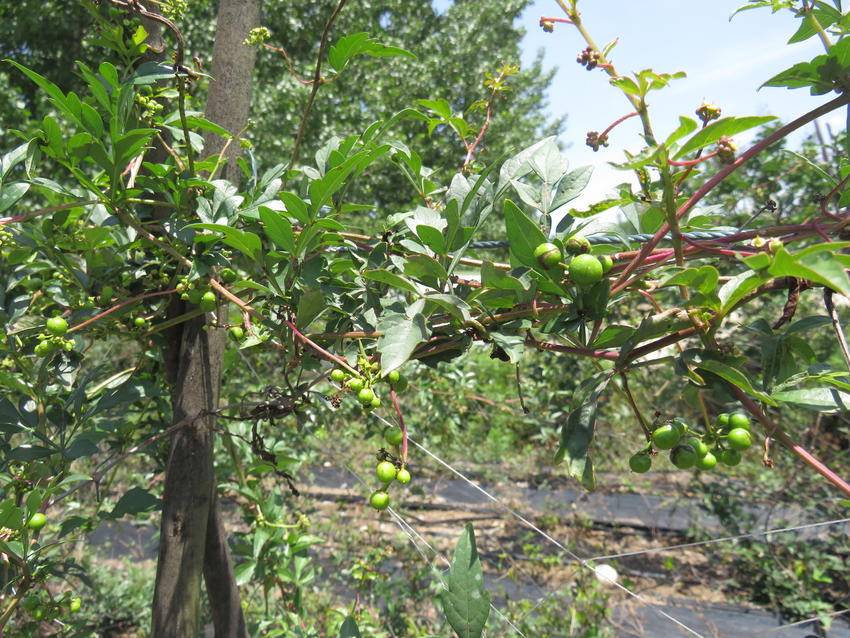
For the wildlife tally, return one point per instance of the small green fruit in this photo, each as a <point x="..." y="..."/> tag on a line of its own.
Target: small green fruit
<point x="57" y="326"/>
<point x="355" y="384"/>
<point x="338" y="376"/>
<point x="380" y="500"/>
<point x="75" y="604"/>
<point x="739" y="439"/>
<point x="607" y="263"/>
<point x="577" y="245"/>
<point x="730" y="457"/>
<point x="739" y="420"/>
<point x="376" y="403"/>
<point x="547" y="255"/>
<point x="699" y="446"/>
<point x="208" y="301"/>
<point x="585" y="270"/>
<point x="684" y="457"/>
<point x="393" y="377"/>
<point x="37" y="521"/>
<point x="237" y="333"/>
<point x="403" y="476"/>
<point x="228" y="275"/>
<point x="140" y="322"/>
<point x="385" y="471"/>
<point x="640" y="462"/>
<point x="722" y="421"/>
<point x="393" y="436"/>
<point x="666" y="437"/>
<point x="365" y="396"/>
<point x="707" y="462"/>
<point x="43" y="349"/>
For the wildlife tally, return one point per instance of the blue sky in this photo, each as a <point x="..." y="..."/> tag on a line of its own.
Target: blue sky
<point x="725" y="61"/>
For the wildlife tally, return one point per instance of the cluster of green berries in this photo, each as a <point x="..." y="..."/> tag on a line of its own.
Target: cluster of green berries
<point x="387" y="470"/>
<point x="723" y="443"/>
<point x="362" y="384"/>
<point x="203" y="298"/>
<point x="584" y="269"/>
<point x="42" y="610"/>
<point x="53" y="338"/>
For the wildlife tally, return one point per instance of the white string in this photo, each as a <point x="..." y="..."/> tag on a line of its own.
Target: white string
<point x="410" y="532"/>
<point x="834" y="614"/>
<point x="553" y="541"/>
<point x="722" y="539"/>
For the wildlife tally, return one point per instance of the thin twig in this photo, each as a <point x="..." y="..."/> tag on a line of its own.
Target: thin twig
<point x="836" y="325"/>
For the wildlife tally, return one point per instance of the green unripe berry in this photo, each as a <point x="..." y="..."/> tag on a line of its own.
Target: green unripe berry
<point x="640" y="462"/>
<point x="140" y="322"/>
<point x="337" y="375"/>
<point x="547" y="255"/>
<point x="739" y="439"/>
<point x="666" y="437"/>
<point x="699" y="446"/>
<point x="393" y="377"/>
<point x="75" y="604"/>
<point x="722" y="421"/>
<point x="607" y="263"/>
<point x="355" y="384"/>
<point x="380" y="500"/>
<point x="393" y="436"/>
<point x="237" y="333"/>
<point x="730" y="457"/>
<point x="42" y="349"/>
<point x="585" y="270"/>
<point x="403" y="476"/>
<point x="683" y="457"/>
<point x="376" y="403"/>
<point x="57" y="326"/>
<point x="365" y="396"/>
<point x="37" y="521"/>
<point x="228" y="275"/>
<point x="577" y="245"/>
<point x="739" y="420"/>
<point x="208" y="301"/>
<point x="707" y="462"/>
<point x="385" y="471"/>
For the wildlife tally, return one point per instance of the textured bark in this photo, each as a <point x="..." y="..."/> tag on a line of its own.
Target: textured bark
<point x="189" y="485"/>
<point x="193" y="541"/>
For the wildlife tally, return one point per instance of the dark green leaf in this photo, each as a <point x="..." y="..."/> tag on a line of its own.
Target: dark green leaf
<point x="725" y="127"/>
<point x="466" y="602"/>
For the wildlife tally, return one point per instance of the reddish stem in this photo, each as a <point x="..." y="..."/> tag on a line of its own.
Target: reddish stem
<point x="342" y="363"/>
<point x="584" y="352"/>
<point x="693" y="162"/>
<point x="774" y="430"/>
<point x="616" y="123"/>
<point x="721" y="175"/>
<point x="117" y="307"/>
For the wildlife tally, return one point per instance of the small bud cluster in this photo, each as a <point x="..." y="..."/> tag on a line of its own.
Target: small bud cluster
<point x="547" y="25"/>
<point x="708" y="112"/>
<point x="595" y="140"/>
<point x="726" y="149"/>
<point x="257" y="36"/>
<point x="589" y="58"/>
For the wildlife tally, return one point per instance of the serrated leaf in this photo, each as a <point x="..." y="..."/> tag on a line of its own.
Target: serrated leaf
<point x="466" y="602"/>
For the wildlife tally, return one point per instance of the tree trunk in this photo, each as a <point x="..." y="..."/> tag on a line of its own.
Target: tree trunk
<point x="193" y="541"/>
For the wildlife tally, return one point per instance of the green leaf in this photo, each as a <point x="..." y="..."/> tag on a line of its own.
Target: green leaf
<point x="278" y="229"/>
<point x="735" y="377"/>
<point x="818" y="399"/>
<point x="577" y="432"/>
<point x="350" y="46"/>
<point x="523" y="234"/>
<point x="401" y="335"/>
<point x="135" y="501"/>
<point x="725" y="127"/>
<point x="739" y="287"/>
<point x="391" y="279"/>
<point x="349" y="628"/>
<point x="11" y="193"/>
<point x="466" y="602"/>
<point x="818" y="263"/>
<point x="245" y="242"/>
